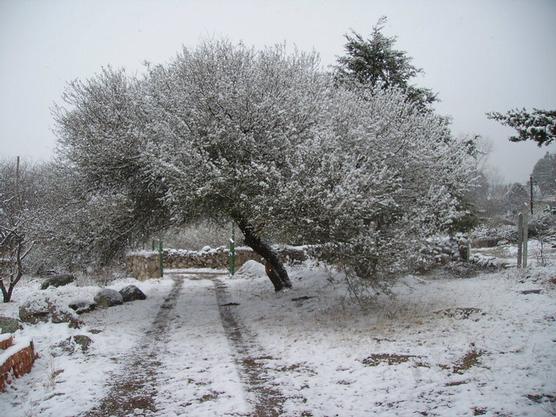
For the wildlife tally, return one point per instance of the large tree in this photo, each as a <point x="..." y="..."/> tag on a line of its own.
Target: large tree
<point x="375" y="61"/>
<point x="266" y="139"/>
<point x="536" y="125"/>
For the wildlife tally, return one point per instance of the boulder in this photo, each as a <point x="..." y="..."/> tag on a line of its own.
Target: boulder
<point x="132" y="293"/>
<point x="81" y="307"/>
<point x="108" y="298"/>
<point x="9" y="325"/>
<point x="57" y="281"/>
<point x="71" y="344"/>
<point x="38" y="310"/>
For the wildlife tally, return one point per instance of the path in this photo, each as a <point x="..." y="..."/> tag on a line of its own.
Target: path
<point x="268" y="401"/>
<point x="197" y="359"/>
<point x="134" y="388"/>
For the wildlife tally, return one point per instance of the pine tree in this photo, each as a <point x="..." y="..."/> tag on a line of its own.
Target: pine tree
<point x="375" y="61"/>
<point x="544" y="174"/>
<point x="537" y="125"/>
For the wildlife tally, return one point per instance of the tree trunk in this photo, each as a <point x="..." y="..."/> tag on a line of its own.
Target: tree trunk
<point x="274" y="278"/>
<point x="277" y="275"/>
<point x="6" y="293"/>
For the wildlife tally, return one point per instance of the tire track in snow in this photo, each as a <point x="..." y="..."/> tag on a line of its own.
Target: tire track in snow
<point x="250" y="359"/>
<point x="133" y="390"/>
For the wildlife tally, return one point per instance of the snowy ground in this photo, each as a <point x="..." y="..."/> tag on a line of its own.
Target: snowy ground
<point x="207" y="346"/>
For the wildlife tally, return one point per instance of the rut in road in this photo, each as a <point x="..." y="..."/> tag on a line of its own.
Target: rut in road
<point x="250" y="358"/>
<point x="134" y="389"/>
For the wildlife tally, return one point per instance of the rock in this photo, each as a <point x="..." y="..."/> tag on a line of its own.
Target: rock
<point x="71" y="344"/>
<point x="132" y="293"/>
<point x="526" y="292"/>
<point x="57" y="281"/>
<point x="9" y="325"/>
<point x="108" y="298"/>
<point x="485" y="242"/>
<point x="83" y="342"/>
<point x="81" y="307"/>
<point x="38" y="310"/>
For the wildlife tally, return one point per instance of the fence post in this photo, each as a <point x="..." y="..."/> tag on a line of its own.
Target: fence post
<point x="160" y="258"/>
<point x="232" y="253"/>
<point x="519" y="239"/>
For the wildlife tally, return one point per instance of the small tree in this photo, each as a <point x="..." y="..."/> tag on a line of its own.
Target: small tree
<point x="374" y="61"/>
<point x="537" y="125"/>
<point x="14" y="220"/>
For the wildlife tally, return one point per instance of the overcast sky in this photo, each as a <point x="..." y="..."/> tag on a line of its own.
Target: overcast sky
<point x="478" y="55"/>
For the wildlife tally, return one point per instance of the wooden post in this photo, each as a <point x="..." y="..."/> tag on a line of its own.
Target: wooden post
<point x="17" y="193"/>
<point x="519" y="239"/>
<point x="525" y="238"/>
<point x="160" y="258"/>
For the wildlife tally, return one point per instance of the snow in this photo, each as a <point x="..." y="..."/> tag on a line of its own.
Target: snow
<point x="63" y="385"/>
<point x="250" y="269"/>
<point x="198" y="362"/>
<point x="441" y="346"/>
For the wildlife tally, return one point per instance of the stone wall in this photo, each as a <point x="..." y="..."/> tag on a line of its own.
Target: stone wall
<point x="143" y="265"/>
<point x="214" y="258"/>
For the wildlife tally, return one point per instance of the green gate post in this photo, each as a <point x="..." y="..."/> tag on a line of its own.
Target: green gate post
<point x="160" y="258"/>
<point x="232" y="253"/>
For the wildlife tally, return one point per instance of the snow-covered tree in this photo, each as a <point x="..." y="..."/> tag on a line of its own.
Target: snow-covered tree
<point x="266" y="139"/>
<point x="107" y="198"/>
<point x="537" y="125"/>
<point x="17" y="198"/>
<point x="374" y="61"/>
<point x="544" y="174"/>
<point x="517" y="198"/>
<point x="378" y="178"/>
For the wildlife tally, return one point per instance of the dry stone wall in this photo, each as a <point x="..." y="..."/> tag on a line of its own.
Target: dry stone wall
<point x="144" y="264"/>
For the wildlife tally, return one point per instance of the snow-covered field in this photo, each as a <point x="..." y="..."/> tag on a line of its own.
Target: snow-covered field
<point x="435" y="347"/>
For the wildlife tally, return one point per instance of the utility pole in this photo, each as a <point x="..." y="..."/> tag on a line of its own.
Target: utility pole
<point x="17" y="193"/>
<point x="531" y="193"/>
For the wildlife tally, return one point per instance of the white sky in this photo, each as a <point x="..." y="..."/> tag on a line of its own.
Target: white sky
<point x="479" y="55"/>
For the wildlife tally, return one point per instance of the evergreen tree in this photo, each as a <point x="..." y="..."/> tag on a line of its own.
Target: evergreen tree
<point x="517" y="198"/>
<point x="375" y="61"/>
<point x="538" y="125"/>
<point x="544" y="174"/>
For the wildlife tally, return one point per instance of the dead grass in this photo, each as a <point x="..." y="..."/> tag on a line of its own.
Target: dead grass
<point x="460" y="313"/>
<point x="387" y="358"/>
<point x="470" y="359"/>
